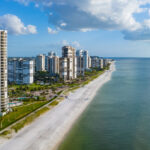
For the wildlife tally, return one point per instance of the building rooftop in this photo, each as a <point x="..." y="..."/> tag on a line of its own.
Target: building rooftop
<point x="3" y="31"/>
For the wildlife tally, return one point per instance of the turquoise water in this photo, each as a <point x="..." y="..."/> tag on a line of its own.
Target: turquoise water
<point x="119" y="116"/>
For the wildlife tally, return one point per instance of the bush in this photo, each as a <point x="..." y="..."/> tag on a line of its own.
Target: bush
<point x="54" y="103"/>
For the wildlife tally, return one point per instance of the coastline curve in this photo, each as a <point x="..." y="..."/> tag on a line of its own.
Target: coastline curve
<point x="48" y="131"/>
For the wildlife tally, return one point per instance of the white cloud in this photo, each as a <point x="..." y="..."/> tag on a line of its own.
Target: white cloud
<point x="87" y="15"/>
<point x="86" y="29"/>
<point x="75" y="44"/>
<point x="25" y="2"/>
<point x="63" y="24"/>
<point x="147" y="23"/>
<point x="31" y="29"/>
<point x="51" y="14"/>
<point x="65" y="42"/>
<point x="149" y="12"/>
<point x="142" y="33"/>
<point x="37" y="5"/>
<point x="15" y="26"/>
<point x="51" y="31"/>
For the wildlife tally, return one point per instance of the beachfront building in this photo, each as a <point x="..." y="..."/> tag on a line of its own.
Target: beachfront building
<point x="46" y="63"/>
<point x="3" y="72"/>
<point x="84" y="54"/>
<point x="97" y="62"/>
<point x="52" y="54"/>
<point x="63" y="67"/>
<point x="80" y="65"/>
<point x="20" y="71"/>
<point x="82" y="61"/>
<point x="89" y="61"/>
<point x="53" y="64"/>
<point x="40" y="62"/>
<point x="102" y="65"/>
<point x="68" y="63"/>
<point x="105" y="62"/>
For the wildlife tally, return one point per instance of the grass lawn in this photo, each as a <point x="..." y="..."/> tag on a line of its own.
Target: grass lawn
<point x="29" y="119"/>
<point x="18" y="113"/>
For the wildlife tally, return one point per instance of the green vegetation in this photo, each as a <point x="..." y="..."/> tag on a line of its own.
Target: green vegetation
<point x="45" y="77"/>
<point x="5" y="133"/>
<point x="54" y="103"/>
<point x="73" y="88"/>
<point x="30" y="105"/>
<point x="18" y="113"/>
<point x="21" y="90"/>
<point x="29" y="119"/>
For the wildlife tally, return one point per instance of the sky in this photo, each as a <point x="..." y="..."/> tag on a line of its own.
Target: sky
<point x="106" y="28"/>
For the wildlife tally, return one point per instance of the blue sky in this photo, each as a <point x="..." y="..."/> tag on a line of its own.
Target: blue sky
<point x="113" y="28"/>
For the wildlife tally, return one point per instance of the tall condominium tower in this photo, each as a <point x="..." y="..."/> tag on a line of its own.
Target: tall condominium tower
<point x="3" y="72"/>
<point x="53" y="64"/>
<point x="40" y="62"/>
<point x="69" y="54"/>
<point x="82" y="61"/>
<point x="89" y="62"/>
<point x="52" y="54"/>
<point x="20" y="71"/>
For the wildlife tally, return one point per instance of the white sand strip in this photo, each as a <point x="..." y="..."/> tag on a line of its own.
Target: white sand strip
<point x="46" y="132"/>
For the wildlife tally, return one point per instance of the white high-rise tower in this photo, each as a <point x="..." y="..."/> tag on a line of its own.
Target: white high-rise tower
<point x="3" y="72"/>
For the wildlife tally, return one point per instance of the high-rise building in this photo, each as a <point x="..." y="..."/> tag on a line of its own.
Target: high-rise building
<point x="69" y="55"/>
<point x="101" y="63"/>
<point x="20" y="71"/>
<point x="28" y="72"/>
<point x="95" y="62"/>
<point x="46" y="63"/>
<point x="52" y="54"/>
<point x="40" y="62"/>
<point x="85" y="59"/>
<point x="89" y="62"/>
<point x="3" y="72"/>
<point x="80" y="66"/>
<point x="105" y="62"/>
<point x="63" y="67"/>
<point x="82" y="61"/>
<point x="53" y="64"/>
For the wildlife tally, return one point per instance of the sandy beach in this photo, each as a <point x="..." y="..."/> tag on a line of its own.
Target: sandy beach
<point x="47" y="131"/>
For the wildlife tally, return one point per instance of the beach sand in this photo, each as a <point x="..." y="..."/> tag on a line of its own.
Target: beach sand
<point x="47" y="131"/>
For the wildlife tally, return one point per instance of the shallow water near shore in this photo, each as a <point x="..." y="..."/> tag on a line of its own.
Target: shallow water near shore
<point x="119" y="116"/>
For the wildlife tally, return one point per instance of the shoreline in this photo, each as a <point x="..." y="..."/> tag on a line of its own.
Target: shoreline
<point x="49" y="130"/>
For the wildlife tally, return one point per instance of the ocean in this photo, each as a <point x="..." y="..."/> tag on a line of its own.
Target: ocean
<point x="119" y="116"/>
